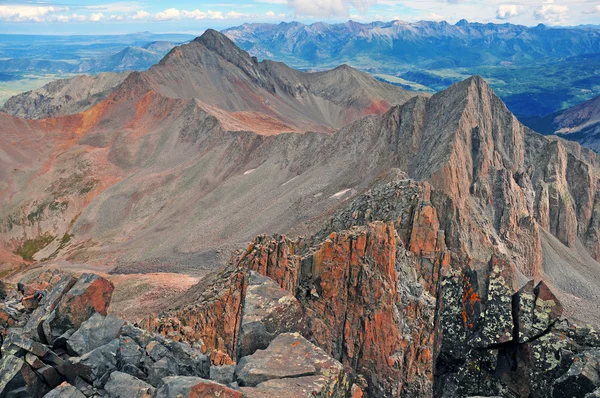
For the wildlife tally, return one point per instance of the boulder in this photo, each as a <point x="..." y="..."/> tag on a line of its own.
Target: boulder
<point x="94" y="365"/>
<point x="17" y="343"/>
<point x="269" y="311"/>
<point x="163" y="368"/>
<point x="93" y="333"/>
<point x="47" y="305"/>
<point x="191" y="387"/>
<point x="122" y="385"/>
<point x="298" y="387"/>
<point x="18" y="379"/>
<point x="191" y="362"/>
<point x="130" y="353"/>
<point x="50" y="375"/>
<point x="65" y="390"/>
<point x="291" y="356"/>
<point x="583" y="377"/>
<point x="223" y="374"/>
<point x="89" y="295"/>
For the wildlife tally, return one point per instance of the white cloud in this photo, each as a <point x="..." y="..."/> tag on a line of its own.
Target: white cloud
<point x="140" y="15"/>
<point x="551" y="13"/>
<point x="433" y="17"/>
<point x="122" y="6"/>
<point x="27" y="13"/>
<point x="508" y="11"/>
<point x="328" y="8"/>
<point x="96" y="17"/>
<point x="270" y="14"/>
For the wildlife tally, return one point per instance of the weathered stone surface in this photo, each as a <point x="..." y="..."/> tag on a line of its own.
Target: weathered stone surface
<point x="90" y="294"/>
<point x="190" y="387"/>
<point x="122" y="385"/>
<point x="535" y="309"/>
<point x="583" y="376"/>
<point x="65" y="390"/>
<point x="223" y="374"/>
<point x="18" y="379"/>
<point x="130" y="353"/>
<point x="16" y="342"/>
<point x="160" y="369"/>
<point x="50" y="376"/>
<point x="190" y="362"/>
<point x="268" y="311"/>
<point x="47" y="305"/>
<point x="93" y="333"/>
<point x="96" y="363"/>
<point x="496" y="324"/>
<point x="11" y="376"/>
<point x="292" y="356"/>
<point x="213" y="318"/>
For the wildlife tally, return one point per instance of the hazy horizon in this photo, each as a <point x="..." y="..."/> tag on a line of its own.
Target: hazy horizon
<point x="70" y="17"/>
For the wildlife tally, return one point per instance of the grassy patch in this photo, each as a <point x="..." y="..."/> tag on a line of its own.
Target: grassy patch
<point x="32" y="246"/>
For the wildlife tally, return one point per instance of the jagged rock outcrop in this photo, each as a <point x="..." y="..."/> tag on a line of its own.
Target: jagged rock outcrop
<point x="348" y="288"/>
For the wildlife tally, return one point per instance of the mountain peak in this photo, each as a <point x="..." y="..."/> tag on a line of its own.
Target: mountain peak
<point x="212" y="39"/>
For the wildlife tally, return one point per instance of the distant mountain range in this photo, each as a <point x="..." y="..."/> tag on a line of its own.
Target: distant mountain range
<point x="425" y="44"/>
<point x="129" y="58"/>
<point x="561" y="63"/>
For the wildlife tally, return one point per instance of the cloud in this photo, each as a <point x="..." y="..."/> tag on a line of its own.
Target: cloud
<point x="551" y="13"/>
<point x="507" y="11"/>
<point x="27" y="13"/>
<point x="594" y="10"/>
<point x="173" y="14"/>
<point x="121" y="6"/>
<point x="433" y="17"/>
<point x="140" y="15"/>
<point x="270" y="14"/>
<point x="328" y="8"/>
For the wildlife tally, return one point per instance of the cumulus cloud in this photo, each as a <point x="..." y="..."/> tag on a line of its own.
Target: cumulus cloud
<point x="328" y="8"/>
<point x="551" y="13"/>
<point x="508" y="11"/>
<point x="140" y="15"/>
<point x="27" y="13"/>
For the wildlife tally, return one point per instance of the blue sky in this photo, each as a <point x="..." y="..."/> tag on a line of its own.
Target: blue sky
<point x="103" y="16"/>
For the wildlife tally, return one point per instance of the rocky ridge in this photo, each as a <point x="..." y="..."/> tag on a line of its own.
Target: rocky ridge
<point x="63" y="97"/>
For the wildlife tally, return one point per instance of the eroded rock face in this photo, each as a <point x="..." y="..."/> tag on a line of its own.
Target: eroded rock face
<point x="213" y="317"/>
<point x="355" y="307"/>
<point x="90" y="294"/>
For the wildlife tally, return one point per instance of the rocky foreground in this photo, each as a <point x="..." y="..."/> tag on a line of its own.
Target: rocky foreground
<point x="67" y="346"/>
<point x="372" y="311"/>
